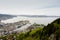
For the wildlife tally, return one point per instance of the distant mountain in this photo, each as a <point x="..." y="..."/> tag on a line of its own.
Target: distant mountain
<point x="38" y="16"/>
<point x="5" y="16"/>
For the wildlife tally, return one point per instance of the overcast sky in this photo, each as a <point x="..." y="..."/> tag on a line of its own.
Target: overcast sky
<point x="30" y="7"/>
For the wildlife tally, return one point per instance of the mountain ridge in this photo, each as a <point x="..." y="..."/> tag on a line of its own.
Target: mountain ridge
<point x="5" y="16"/>
<point x="37" y="16"/>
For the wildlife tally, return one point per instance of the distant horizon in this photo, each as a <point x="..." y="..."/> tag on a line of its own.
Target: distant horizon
<point x="28" y="15"/>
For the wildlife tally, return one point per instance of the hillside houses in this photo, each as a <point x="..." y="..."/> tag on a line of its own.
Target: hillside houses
<point x="7" y="28"/>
